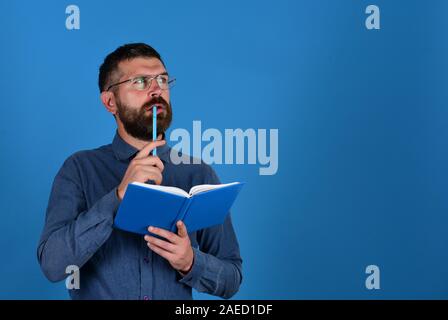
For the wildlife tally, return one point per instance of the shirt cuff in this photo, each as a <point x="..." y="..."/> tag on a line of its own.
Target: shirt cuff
<point x="115" y="201"/>
<point x="196" y="270"/>
<point x="110" y="202"/>
<point x="104" y="212"/>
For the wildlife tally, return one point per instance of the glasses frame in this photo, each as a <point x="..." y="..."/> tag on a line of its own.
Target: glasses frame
<point x="170" y="81"/>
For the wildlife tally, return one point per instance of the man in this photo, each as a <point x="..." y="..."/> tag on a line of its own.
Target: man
<point x="87" y="191"/>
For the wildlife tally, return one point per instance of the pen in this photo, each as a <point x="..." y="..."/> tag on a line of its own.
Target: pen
<point x="154" y="127"/>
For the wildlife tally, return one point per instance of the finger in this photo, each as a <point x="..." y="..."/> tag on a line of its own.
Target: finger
<point x="171" y="237"/>
<point x="144" y="152"/>
<point x="182" y="229"/>
<point x="150" y="161"/>
<point x="161" y="252"/>
<point x="149" y="173"/>
<point x="167" y="246"/>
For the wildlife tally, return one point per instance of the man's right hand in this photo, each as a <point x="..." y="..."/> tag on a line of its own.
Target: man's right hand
<point x="142" y="168"/>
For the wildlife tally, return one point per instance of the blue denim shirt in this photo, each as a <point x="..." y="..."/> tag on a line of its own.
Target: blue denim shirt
<point x="115" y="264"/>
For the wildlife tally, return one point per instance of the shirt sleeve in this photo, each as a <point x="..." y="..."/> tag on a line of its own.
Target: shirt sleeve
<point x="72" y="234"/>
<point x="217" y="264"/>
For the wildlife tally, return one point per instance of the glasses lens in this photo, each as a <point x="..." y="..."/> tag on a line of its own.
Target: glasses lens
<point x="141" y="83"/>
<point x="162" y="81"/>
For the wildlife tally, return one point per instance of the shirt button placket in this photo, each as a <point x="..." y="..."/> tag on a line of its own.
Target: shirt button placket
<point x="146" y="273"/>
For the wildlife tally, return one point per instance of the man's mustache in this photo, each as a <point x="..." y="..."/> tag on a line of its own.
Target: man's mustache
<point x="156" y="100"/>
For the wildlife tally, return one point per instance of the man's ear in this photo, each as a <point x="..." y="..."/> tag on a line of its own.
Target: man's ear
<point x="109" y="101"/>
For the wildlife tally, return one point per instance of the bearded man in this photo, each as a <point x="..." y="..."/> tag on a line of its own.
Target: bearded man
<point x="87" y="190"/>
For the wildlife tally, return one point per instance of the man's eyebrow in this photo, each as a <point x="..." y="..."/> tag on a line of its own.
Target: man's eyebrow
<point x="165" y="73"/>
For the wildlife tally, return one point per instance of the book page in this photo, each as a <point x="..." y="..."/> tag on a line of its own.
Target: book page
<point x="172" y="190"/>
<point x="206" y="187"/>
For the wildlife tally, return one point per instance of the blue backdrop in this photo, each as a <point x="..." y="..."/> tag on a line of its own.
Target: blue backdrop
<point x="362" y="119"/>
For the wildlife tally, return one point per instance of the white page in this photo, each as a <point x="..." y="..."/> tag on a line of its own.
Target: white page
<point x="206" y="187"/>
<point x="172" y="190"/>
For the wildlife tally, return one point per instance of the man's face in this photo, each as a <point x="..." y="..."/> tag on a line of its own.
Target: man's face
<point x="134" y="107"/>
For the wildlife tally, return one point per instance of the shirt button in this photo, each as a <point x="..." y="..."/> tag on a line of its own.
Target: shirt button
<point x="146" y="259"/>
<point x="146" y="298"/>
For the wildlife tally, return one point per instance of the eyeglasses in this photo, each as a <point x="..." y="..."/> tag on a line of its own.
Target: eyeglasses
<point x="142" y="83"/>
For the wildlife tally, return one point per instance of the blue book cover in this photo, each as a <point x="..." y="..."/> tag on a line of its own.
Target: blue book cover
<point x="160" y="206"/>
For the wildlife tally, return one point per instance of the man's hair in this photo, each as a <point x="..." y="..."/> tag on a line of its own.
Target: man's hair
<point x="109" y="69"/>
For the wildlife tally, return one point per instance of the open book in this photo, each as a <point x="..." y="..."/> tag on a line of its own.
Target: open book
<point x="147" y="205"/>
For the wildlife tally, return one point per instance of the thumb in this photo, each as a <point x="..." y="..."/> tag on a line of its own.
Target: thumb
<point x="181" y="229"/>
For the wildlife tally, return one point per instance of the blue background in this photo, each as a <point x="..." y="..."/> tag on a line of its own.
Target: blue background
<point x="361" y="114"/>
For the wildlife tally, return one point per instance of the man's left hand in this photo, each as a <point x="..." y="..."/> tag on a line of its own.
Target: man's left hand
<point x="177" y="249"/>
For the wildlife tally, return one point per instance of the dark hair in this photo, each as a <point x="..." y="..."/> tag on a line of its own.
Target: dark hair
<point x="126" y="52"/>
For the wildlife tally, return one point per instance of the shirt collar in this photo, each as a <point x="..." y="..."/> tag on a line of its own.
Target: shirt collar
<point x="124" y="151"/>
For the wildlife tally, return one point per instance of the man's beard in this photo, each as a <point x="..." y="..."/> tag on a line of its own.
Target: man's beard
<point x="138" y="122"/>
